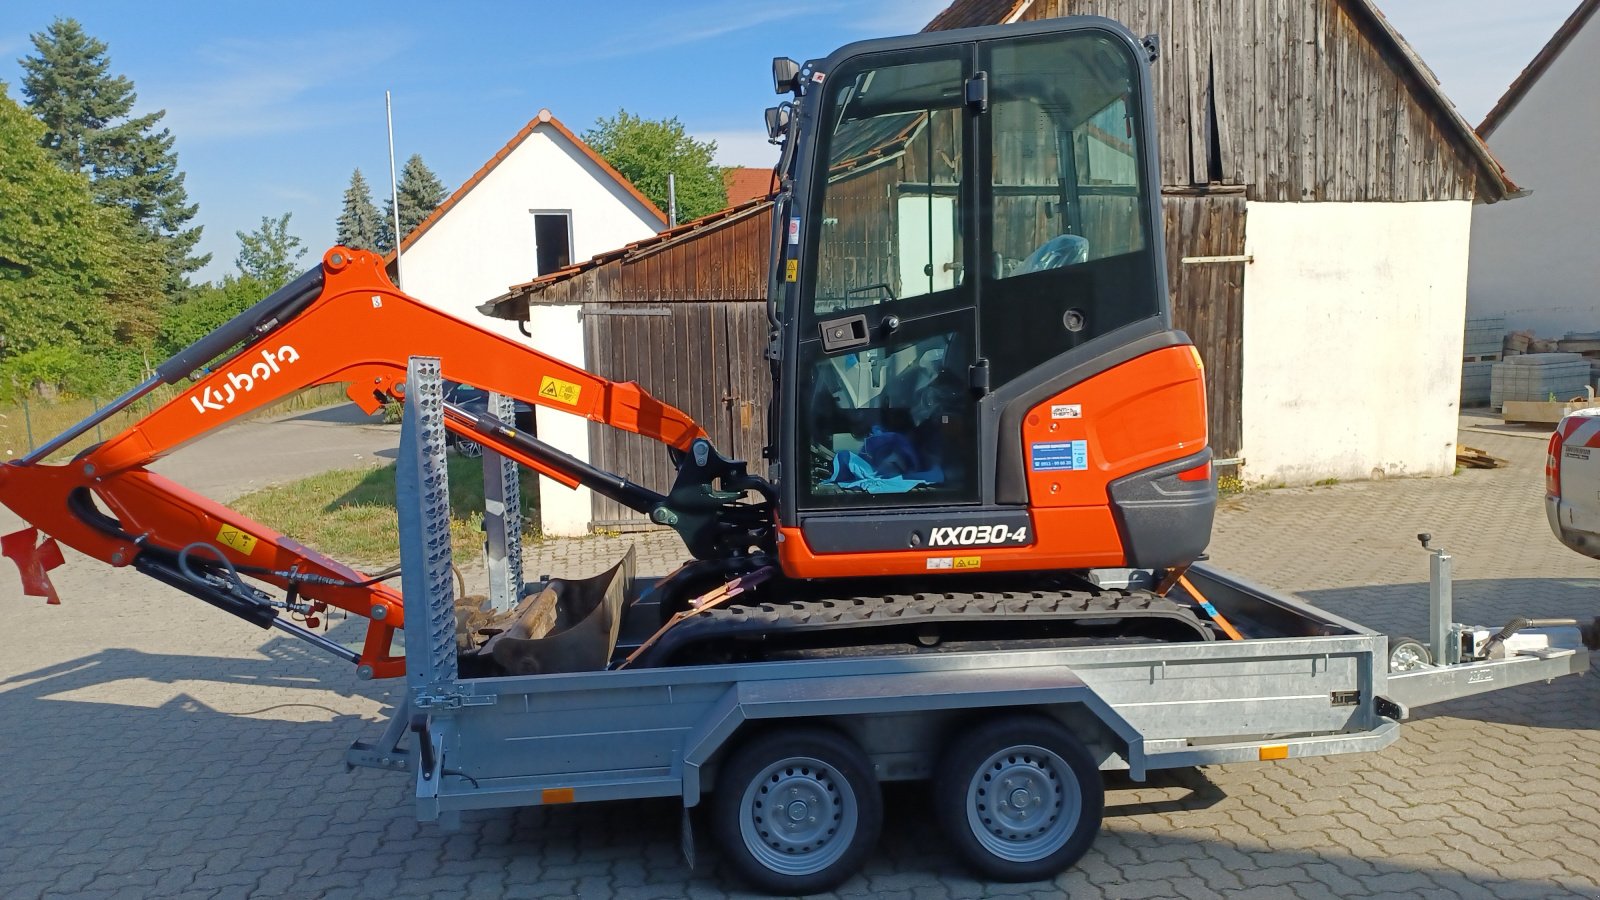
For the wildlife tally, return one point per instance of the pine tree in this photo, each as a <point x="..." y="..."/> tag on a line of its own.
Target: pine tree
<point x="270" y="254"/>
<point x="420" y="192"/>
<point x="90" y="128"/>
<point x="360" y="228"/>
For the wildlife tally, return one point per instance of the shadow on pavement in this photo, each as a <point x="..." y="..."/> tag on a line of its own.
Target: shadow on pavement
<point x="1402" y="609"/>
<point x="340" y="414"/>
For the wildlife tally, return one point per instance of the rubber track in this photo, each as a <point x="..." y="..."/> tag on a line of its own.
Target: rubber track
<point x="791" y="623"/>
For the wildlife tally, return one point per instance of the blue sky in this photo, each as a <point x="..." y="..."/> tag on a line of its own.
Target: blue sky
<point x="274" y="105"/>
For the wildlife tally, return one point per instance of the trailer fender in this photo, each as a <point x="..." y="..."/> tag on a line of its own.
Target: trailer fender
<point x="790" y="699"/>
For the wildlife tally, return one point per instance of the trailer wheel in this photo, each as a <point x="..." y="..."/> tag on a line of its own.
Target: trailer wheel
<point x="1407" y="654"/>
<point x="797" y="810"/>
<point x="1020" y="798"/>
<point x="468" y="448"/>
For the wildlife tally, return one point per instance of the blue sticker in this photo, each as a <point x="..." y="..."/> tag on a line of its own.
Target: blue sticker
<point x="1061" y="456"/>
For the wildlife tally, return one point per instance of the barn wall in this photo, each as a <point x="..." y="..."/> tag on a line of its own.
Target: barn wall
<point x="1352" y="339"/>
<point x="1287" y="97"/>
<point x="1208" y="301"/>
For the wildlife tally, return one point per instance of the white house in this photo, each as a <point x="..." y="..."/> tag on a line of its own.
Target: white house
<point x="544" y="200"/>
<point x="1534" y="261"/>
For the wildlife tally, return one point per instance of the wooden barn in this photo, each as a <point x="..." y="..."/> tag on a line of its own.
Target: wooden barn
<point x="684" y="314"/>
<point x="1317" y="190"/>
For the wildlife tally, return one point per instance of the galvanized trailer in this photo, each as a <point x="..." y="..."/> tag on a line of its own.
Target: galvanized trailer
<point x="1010" y="738"/>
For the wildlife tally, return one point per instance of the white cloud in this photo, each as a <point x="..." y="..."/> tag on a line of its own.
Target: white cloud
<point x="742" y="148"/>
<point x="238" y="87"/>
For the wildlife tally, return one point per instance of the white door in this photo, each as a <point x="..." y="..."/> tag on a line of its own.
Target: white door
<point x="927" y="245"/>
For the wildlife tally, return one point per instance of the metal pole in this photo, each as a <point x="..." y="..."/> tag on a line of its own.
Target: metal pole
<point x="27" y="422"/>
<point x="672" y="200"/>
<point x="502" y="516"/>
<point x="394" y="194"/>
<point x="1441" y="609"/>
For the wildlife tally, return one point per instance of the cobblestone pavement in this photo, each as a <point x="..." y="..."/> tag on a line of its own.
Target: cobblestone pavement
<point x="159" y="748"/>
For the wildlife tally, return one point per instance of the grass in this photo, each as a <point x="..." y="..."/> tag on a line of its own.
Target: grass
<point x="1325" y="482"/>
<point x="1228" y="485"/>
<point x="23" y="427"/>
<point x="349" y="514"/>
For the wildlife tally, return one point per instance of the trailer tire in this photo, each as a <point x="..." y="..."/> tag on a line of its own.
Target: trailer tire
<point x="1052" y="804"/>
<point x="1407" y="654"/>
<point x="829" y="819"/>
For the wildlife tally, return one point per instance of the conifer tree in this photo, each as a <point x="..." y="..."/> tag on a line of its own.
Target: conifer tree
<point x="90" y="128"/>
<point x="360" y="226"/>
<point x="420" y="192"/>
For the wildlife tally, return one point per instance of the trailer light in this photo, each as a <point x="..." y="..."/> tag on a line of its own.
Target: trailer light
<point x="1273" y="751"/>
<point x="552" y="796"/>
<point x="1201" y="472"/>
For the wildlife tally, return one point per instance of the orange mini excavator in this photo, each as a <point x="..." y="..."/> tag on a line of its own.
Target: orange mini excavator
<point x="979" y="390"/>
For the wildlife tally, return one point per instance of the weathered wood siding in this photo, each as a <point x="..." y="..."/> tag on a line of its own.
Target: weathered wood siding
<point x="1208" y="302"/>
<point x="704" y="358"/>
<point x="1290" y="98"/>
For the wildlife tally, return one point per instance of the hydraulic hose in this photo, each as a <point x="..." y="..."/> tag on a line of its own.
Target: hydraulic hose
<point x="1518" y="624"/>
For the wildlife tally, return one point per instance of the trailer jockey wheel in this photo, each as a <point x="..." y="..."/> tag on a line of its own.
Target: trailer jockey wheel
<point x="797" y="810"/>
<point x="1019" y="797"/>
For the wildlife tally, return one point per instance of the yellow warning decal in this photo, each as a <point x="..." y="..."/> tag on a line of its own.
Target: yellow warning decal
<point x="560" y="391"/>
<point x="791" y="270"/>
<point x="236" y="539"/>
<point x="969" y="562"/>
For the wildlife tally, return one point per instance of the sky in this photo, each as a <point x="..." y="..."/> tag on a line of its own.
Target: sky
<point x="273" y="107"/>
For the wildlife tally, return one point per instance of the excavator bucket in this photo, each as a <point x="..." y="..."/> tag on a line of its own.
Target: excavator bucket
<point x="35" y="559"/>
<point x="569" y="626"/>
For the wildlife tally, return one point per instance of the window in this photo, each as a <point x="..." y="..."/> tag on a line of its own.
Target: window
<point x="890" y="225"/>
<point x="1068" y="252"/>
<point x="552" y="241"/>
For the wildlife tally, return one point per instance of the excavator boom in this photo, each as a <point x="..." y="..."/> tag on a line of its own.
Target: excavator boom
<point x="343" y="322"/>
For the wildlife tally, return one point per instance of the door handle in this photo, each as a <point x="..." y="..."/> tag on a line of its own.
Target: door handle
<point x="844" y="333"/>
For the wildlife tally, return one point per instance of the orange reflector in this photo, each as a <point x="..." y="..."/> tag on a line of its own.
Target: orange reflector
<point x="560" y="795"/>
<point x="1275" y="751"/>
<point x="1201" y="472"/>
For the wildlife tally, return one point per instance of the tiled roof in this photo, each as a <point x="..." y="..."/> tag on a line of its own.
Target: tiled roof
<point x="1525" y="81"/>
<point x="544" y="118"/>
<point x="746" y="183"/>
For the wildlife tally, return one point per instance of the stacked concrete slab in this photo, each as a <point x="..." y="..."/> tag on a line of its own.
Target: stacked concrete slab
<point x="1538" y="377"/>
<point x="1479" y="352"/>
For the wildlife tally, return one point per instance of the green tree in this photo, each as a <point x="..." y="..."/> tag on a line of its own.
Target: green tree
<point x="646" y="151"/>
<point x="360" y="227"/>
<point x="206" y="308"/>
<point x="270" y="254"/>
<point x="90" y="128"/>
<point x="70" y="270"/>
<point x="420" y="192"/>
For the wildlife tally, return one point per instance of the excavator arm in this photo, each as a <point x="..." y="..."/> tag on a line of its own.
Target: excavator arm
<point x="344" y="322"/>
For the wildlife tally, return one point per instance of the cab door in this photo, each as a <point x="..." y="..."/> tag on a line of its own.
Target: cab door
<point x="887" y="330"/>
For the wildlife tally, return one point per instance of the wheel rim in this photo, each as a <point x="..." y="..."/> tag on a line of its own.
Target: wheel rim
<point x="1407" y="657"/>
<point x="798" y="816"/>
<point x="469" y="449"/>
<point x="1023" y="803"/>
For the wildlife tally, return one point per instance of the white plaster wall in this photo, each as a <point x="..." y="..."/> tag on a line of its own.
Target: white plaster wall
<point x="1353" y="318"/>
<point x="1534" y="259"/>
<point x="485" y="244"/>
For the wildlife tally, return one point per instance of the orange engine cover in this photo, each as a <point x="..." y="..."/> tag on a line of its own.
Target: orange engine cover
<point x="1143" y="413"/>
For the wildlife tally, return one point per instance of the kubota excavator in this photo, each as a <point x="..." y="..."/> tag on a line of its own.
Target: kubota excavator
<point x="979" y="391"/>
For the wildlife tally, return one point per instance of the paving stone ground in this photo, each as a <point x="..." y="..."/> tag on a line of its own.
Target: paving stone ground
<point x="157" y="749"/>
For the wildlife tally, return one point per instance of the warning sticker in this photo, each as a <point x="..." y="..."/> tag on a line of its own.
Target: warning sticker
<point x="237" y="540"/>
<point x="969" y="562"/>
<point x="1060" y="456"/>
<point x="1066" y="411"/>
<point x="560" y="391"/>
<point x="794" y="231"/>
<point x="941" y="562"/>
<point x="791" y="270"/>
<point x="955" y="562"/>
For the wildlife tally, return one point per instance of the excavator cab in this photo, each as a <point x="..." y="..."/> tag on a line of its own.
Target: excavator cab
<point x="975" y="345"/>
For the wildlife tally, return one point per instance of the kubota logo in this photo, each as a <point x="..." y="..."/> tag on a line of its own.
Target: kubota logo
<point x="244" y="381"/>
